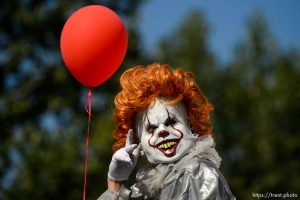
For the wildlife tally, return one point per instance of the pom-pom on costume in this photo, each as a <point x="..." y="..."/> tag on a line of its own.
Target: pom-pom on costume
<point x="162" y="112"/>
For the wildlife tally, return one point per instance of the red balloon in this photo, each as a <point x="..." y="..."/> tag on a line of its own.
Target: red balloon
<point x="93" y="44"/>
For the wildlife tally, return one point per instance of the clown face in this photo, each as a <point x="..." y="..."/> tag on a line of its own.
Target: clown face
<point x="164" y="132"/>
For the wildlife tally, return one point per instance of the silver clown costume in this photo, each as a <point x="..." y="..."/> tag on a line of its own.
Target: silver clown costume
<point x="195" y="176"/>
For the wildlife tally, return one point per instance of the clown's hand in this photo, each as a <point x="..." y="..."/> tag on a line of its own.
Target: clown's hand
<point x="123" y="161"/>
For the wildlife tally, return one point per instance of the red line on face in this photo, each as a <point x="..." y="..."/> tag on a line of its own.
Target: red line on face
<point x="181" y="134"/>
<point x="152" y="132"/>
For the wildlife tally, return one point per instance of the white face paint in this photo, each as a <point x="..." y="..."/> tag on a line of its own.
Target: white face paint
<point x="164" y="132"/>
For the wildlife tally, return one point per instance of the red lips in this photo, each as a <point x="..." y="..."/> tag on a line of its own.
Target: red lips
<point x="168" y="147"/>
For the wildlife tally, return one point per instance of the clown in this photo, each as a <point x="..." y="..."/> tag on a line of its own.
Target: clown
<point x="161" y="113"/>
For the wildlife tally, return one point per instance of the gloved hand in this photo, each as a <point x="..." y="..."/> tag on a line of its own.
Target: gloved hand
<point x="123" y="161"/>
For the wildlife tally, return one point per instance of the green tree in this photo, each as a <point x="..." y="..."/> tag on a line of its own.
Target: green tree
<point x="43" y="122"/>
<point x="260" y="148"/>
<point x="187" y="47"/>
<point x="255" y="96"/>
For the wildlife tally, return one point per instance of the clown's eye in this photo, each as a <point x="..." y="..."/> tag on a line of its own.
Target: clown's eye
<point x="150" y="128"/>
<point x="170" y="122"/>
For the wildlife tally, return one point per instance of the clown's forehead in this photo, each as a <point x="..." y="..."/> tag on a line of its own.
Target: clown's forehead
<point x="158" y="112"/>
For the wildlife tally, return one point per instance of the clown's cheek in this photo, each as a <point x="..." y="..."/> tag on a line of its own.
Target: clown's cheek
<point x="150" y="143"/>
<point x="146" y="144"/>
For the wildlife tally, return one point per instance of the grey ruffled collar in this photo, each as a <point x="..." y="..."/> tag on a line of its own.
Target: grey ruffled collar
<point x="150" y="179"/>
<point x="205" y="148"/>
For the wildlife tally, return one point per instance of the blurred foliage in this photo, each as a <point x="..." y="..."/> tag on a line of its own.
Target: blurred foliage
<point x="43" y="122"/>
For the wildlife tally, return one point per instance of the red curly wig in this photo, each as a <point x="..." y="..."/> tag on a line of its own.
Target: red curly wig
<point x="141" y="85"/>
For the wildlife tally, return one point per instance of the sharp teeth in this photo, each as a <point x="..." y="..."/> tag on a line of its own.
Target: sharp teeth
<point x="166" y="145"/>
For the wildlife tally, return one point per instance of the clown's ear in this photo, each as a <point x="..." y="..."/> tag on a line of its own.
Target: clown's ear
<point x="194" y="133"/>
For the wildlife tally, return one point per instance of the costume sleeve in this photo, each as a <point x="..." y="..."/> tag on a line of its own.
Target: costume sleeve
<point x="123" y="194"/>
<point x="198" y="181"/>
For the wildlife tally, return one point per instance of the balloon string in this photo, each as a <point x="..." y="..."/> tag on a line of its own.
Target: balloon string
<point x="88" y="109"/>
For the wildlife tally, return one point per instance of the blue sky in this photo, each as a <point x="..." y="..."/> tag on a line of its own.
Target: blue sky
<point x="227" y="20"/>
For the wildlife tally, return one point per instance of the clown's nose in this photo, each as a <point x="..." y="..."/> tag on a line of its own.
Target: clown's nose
<point x="163" y="133"/>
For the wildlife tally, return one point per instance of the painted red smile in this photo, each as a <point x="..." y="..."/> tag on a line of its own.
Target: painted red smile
<point x="168" y="147"/>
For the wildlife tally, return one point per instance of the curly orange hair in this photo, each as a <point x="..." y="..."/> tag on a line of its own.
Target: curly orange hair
<point x="141" y="85"/>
